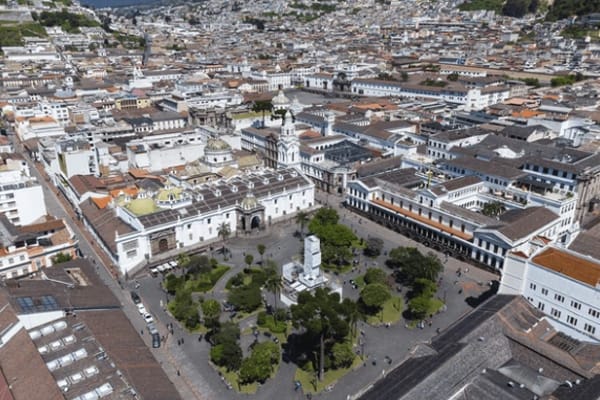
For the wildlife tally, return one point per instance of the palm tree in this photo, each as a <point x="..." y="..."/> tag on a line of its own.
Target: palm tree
<point x="273" y="284"/>
<point x="261" y="248"/>
<point x="182" y="259"/>
<point x="302" y="220"/>
<point x="224" y="231"/>
<point x="493" y="209"/>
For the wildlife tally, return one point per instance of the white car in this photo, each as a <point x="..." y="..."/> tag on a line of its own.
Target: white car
<point x="142" y="309"/>
<point x="173" y="263"/>
<point x="148" y="318"/>
<point x="161" y="268"/>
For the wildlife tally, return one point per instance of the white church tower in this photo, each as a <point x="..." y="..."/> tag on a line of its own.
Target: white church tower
<point x="288" y="145"/>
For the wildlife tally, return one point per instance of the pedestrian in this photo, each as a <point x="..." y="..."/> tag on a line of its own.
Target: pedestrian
<point x="178" y="373"/>
<point x="459" y="291"/>
<point x="141" y="331"/>
<point x="181" y="340"/>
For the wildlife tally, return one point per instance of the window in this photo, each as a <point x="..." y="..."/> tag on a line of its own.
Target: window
<point x="575" y="305"/>
<point x="558" y="297"/>
<point x="130" y="245"/>
<point x="189" y="226"/>
<point x="541" y="306"/>
<point x="594" y="313"/>
<point x="532" y="286"/>
<point x="545" y="292"/>
<point x="131" y="253"/>
<point x="555" y="313"/>
<point x="572" y="320"/>
<point x="589" y="328"/>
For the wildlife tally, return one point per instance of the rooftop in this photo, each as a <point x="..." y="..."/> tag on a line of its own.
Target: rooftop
<point x="579" y="268"/>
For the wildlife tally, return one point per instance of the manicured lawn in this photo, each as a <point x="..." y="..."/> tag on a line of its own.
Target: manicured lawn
<point x="360" y="281"/>
<point x="307" y="379"/>
<point x="206" y="282"/>
<point x="232" y="378"/>
<point x="392" y="311"/>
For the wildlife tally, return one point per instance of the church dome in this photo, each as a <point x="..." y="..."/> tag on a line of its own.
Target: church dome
<point x="280" y="100"/>
<point x="216" y="145"/>
<point x="249" y="202"/>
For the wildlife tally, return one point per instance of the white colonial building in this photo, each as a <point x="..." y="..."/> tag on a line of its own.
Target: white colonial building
<point x="470" y="98"/>
<point x="134" y="231"/>
<point x="448" y="216"/>
<point x="563" y="284"/>
<point x="21" y="197"/>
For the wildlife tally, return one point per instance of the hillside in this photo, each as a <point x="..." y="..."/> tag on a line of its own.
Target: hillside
<point x="510" y="8"/>
<point x="566" y="8"/>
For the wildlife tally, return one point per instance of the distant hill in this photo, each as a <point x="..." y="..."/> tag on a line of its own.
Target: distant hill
<point x="510" y="8"/>
<point x="567" y="8"/>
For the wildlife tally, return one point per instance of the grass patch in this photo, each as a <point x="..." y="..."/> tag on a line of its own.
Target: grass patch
<point x="268" y="321"/>
<point x="360" y="281"/>
<point x="207" y="281"/>
<point x="201" y="329"/>
<point x="391" y="312"/>
<point x="246" y="115"/>
<point x="337" y="269"/>
<point x="311" y="385"/>
<point x="232" y="378"/>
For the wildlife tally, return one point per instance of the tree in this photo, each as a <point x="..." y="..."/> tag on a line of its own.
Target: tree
<point x="183" y="259"/>
<point x="260" y="364"/>
<point x="226" y="351"/>
<point x="424" y="287"/>
<point x="249" y="258"/>
<point x="302" y="219"/>
<point x="343" y="356"/>
<point x="336" y="239"/>
<point x="245" y="298"/>
<point x="375" y="275"/>
<point x="261" y="248"/>
<point x="374" y="295"/>
<point x="224" y="230"/>
<point x="404" y="76"/>
<point x="493" y="209"/>
<point x="374" y="247"/>
<point x="325" y="216"/>
<point x="61" y="258"/>
<point x="262" y="106"/>
<point x="419" y="306"/>
<point x="211" y="310"/>
<point x="321" y="316"/>
<point x="453" y="77"/>
<point x="273" y="283"/>
<point x="413" y="264"/>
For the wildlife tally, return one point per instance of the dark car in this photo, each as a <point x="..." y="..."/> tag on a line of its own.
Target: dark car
<point x="135" y="297"/>
<point x="155" y="340"/>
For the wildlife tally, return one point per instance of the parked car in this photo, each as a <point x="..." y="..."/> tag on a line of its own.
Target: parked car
<point x="135" y="297"/>
<point x="142" y="309"/>
<point x="155" y="340"/>
<point x="152" y="328"/>
<point x="148" y="318"/>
